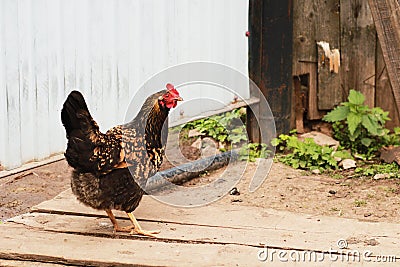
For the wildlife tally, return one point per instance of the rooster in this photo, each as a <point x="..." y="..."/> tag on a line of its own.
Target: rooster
<point x="110" y="169"/>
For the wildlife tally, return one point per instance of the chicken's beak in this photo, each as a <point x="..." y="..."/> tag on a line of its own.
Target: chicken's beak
<point x="179" y="98"/>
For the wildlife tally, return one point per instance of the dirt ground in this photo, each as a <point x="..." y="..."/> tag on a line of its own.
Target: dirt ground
<point x="284" y="189"/>
<point x="293" y="190"/>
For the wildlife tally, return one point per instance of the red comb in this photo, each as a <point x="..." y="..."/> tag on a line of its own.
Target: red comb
<point x="172" y="90"/>
<point x="170" y="87"/>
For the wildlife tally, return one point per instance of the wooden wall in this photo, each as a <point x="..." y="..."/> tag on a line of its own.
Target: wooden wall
<point x="348" y="26"/>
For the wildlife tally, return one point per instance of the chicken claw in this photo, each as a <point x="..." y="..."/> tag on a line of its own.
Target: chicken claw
<point x="143" y="232"/>
<point x="137" y="229"/>
<point x="126" y="229"/>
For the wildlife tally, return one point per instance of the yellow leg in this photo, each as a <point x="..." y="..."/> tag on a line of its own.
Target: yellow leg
<point x="127" y="229"/>
<point x="137" y="229"/>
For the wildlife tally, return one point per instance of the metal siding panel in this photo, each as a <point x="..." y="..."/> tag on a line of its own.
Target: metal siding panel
<point x="27" y="78"/>
<point x="60" y="69"/>
<point x="107" y="114"/>
<point x="182" y="16"/>
<point x="134" y="47"/>
<point x="146" y="40"/>
<point x="170" y="24"/>
<point x="55" y="75"/>
<point x="13" y="135"/>
<point x="159" y="36"/>
<point x="123" y="28"/>
<point x="42" y="79"/>
<point x="239" y="21"/>
<point x="94" y="99"/>
<point x="107" y="49"/>
<point x="3" y="100"/>
<point x="68" y="26"/>
<point x="83" y="75"/>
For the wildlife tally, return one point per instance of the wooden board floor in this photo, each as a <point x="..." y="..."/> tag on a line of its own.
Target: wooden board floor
<point x="63" y="232"/>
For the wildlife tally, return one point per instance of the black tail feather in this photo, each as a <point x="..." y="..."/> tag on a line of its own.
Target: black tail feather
<point x="72" y="110"/>
<point x="81" y="130"/>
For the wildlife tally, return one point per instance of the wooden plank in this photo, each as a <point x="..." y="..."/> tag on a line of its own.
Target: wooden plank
<point x="31" y="165"/>
<point x="304" y="46"/>
<point x="27" y="263"/>
<point x="21" y="243"/>
<point x="251" y="225"/>
<point x="305" y="52"/>
<point x="384" y="97"/>
<point x="358" y="48"/>
<point x="267" y="20"/>
<point x="178" y="232"/>
<point x="328" y="30"/>
<point x="386" y="14"/>
<point x="255" y="53"/>
<point x="300" y="107"/>
<point x="276" y="79"/>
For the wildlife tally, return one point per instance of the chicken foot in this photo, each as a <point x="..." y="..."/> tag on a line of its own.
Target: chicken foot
<point x="137" y="229"/>
<point x="117" y="228"/>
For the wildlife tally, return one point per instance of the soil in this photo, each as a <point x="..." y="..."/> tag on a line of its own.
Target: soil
<point x="284" y="189"/>
<point x="299" y="191"/>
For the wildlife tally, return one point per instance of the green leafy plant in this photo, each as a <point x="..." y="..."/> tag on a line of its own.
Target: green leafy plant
<point x="393" y="138"/>
<point x="307" y="154"/>
<point x="392" y="170"/>
<point x="252" y="151"/>
<point x="358" y="127"/>
<point x="225" y="128"/>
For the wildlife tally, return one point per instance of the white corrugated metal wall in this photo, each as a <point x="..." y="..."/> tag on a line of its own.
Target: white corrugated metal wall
<point x="107" y="49"/>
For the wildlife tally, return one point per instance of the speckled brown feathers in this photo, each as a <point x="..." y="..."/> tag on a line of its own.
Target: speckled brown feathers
<point x="109" y="165"/>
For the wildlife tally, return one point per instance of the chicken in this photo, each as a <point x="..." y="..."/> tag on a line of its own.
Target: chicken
<point x="111" y="169"/>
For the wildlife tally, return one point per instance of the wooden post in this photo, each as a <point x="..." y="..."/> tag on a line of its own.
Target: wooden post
<point x="255" y="50"/>
<point x="384" y="92"/>
<point x="270" y="62"/>
<point x="386" y="15"/>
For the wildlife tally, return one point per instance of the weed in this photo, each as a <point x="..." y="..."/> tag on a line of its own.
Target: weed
<point x="337" y="176"/>
<point x="225" y="128"/>
<point x="360" y="128"/>
<point x="360" y="203"/>
<point x="370" y="195"/>
<point x="390" y="190"/>
<point x="391" y="169"/>
<point x="307" y="154"/>
<point x="251" y="151"/>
